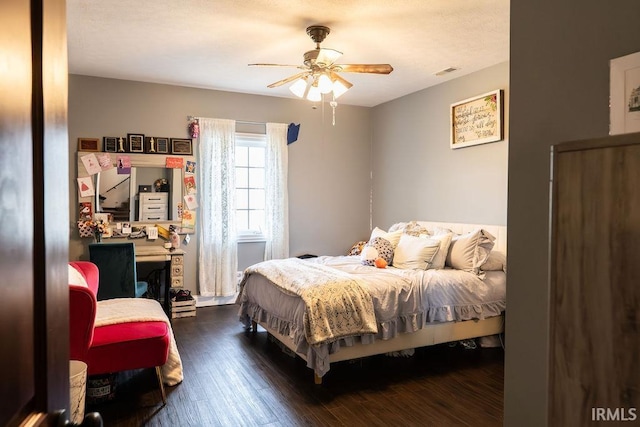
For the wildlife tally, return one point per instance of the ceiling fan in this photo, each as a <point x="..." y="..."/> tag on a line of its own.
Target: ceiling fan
<point x="320" y="75"/>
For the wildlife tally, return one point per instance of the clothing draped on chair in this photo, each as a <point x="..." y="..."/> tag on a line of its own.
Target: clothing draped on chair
<point x="217" y="249"/>
<point x="276" y="193"/>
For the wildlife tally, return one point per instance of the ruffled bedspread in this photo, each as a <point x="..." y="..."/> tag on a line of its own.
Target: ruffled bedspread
<point x="124" y="310"/>
<point x="403" y="301"/>
<point x="337" y="304"/>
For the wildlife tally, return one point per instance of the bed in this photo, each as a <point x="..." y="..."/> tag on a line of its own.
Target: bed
<point x="334" y="308"/>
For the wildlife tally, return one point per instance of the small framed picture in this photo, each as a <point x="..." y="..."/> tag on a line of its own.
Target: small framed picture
<point x="624" y="94"/>
<point x="88" y="144"/>
<point x="136" y="142"/>
<point x="181" y="146"/>
<point x="477" y="120"/>
<point x="110" y="144"/>
<point x="162" y="145"/>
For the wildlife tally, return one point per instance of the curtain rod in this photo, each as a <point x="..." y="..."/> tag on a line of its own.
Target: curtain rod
<point x="245" y="122"/>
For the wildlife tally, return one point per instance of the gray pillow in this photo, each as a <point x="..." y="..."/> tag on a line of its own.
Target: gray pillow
<point x="469" y="251"/>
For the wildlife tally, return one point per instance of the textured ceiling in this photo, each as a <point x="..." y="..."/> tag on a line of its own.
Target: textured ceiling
<point x="208" y="43"/>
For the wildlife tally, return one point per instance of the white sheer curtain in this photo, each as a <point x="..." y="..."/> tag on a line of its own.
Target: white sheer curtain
<point x="217" y="248"/>
<point x="276" y="193"/>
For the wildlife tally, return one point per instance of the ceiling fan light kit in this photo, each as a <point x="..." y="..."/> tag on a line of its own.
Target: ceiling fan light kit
<point x="320" y="76"/>
<point x="299" y="87"/>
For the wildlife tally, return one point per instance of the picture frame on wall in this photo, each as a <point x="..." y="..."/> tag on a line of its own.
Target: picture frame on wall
<point x="136" y="142"/>
<point x="110" y="144"/>
<point x="477" y="120"/>
<point x="162" y="145"/>
<point x="624" y="94"/>
<point x="181" y="146"/>
<point x="88" y="144"/>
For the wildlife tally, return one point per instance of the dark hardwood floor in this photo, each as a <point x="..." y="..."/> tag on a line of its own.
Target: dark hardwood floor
<point x="234" y="378"/>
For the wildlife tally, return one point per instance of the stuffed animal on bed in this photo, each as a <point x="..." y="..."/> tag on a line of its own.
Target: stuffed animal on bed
<point x="356" y="249"/>
<point x="381" y="263"/>
<point x="377" y="248"/>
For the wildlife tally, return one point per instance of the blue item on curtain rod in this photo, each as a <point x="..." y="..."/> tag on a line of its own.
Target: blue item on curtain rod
<point x="292" y="133"/>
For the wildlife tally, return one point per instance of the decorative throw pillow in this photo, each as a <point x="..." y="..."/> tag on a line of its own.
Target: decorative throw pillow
<point x="440" y="257"/>
<point x="469" y="251"/>
<point x="415" y="253"/>
<point x="441" y="230"/>
<point x="496" y="261"/>
<point x="356" y="249"/>
<point x="397" y="226"/>
<point x="412" y="228"/>
<point x="76" y="278"/>
<point x="393" y="237"/>
<point x="377" y="248"/>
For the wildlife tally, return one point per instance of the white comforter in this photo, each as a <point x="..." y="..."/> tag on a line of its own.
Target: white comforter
<point x="403" y="300"/>
<point x="336" y="303"/>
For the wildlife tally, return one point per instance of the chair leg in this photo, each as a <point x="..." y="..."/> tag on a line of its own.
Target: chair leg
<point x="159" y="375"/>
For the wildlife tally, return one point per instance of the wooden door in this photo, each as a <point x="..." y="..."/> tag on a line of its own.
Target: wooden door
<point x="594" y="342"/>
<point x="34" y="218"/>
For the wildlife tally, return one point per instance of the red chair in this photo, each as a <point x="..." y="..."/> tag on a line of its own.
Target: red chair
<point x="112" y="348"/>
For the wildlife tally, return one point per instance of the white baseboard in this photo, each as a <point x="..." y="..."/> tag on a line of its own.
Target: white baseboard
<point x="202" y="301"/>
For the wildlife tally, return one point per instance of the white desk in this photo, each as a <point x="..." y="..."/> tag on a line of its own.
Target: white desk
<point x="174" y="267"/>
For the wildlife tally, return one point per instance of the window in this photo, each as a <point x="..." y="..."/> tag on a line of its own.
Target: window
<point x="250" y="177"/>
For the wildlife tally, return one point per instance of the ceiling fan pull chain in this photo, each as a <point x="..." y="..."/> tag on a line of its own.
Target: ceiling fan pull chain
<point x="334" y="104"/>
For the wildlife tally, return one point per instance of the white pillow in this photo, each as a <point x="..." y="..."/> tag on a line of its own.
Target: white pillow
<point x="76" y="278"/>
<point x="415" y="252"/>
<point x="469" y="251"/>
<point x="444" y="239"/>
<point x="393" y="237"/>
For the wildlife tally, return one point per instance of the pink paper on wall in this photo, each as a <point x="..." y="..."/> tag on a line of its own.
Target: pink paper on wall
<point x="123" y="163"/>
<point x="175" y="162"/>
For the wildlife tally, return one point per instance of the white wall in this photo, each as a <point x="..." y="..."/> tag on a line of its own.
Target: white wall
<point x="417" y="176"/>
<point x="560" y="52"/>
<point x="328" y="166"/>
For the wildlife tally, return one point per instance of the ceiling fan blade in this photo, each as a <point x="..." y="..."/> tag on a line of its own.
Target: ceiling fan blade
<point x="275" y="65"/>
<point x="288" y="79"/>
<point x="363" y="68"/>
<point x="335" y="76"/>
<point x="327" y="56"/>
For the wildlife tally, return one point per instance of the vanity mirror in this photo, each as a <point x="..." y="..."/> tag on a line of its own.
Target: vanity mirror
<point x="150" y="194"/>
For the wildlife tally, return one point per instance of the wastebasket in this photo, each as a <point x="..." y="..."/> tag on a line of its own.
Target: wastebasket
<point x="78" y="389"/>
<point x="101" y="388"/>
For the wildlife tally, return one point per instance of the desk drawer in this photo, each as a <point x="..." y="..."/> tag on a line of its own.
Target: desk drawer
<point x="151" y="208"/>
<point x="154" y="216"/>
<point x="150" y="198"/>
<point x="176" y="282"/>
<point x="177" y="271"/>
